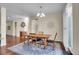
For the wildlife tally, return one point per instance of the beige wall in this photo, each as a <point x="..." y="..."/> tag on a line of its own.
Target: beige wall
<point x="75" y="41"/>
<point x="0" y="20"/>
<point x="51" y="24"/>
<point x="75" y="49"/>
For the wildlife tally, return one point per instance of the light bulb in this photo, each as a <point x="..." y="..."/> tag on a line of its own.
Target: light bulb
<point x="38" y="14"/>
<point x="43" y="14"/>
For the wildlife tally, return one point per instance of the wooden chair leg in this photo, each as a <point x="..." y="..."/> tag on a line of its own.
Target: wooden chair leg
<point x="54" y="45"/>
<point x="24" y="41"/>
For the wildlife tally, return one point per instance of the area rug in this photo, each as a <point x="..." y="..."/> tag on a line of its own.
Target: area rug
<point x="25" y="49"/>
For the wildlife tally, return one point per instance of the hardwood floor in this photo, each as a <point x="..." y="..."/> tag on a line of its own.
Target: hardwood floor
<point x="10" y="42"/>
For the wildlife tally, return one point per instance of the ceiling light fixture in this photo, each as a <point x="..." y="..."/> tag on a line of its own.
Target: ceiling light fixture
<point x="40" y="13"/>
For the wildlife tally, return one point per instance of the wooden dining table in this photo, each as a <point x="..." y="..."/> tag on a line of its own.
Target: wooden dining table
<point x="42" y="36"/>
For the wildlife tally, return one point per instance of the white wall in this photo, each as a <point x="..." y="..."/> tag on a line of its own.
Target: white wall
<point x="18" y="26"/>
<point x="9" y="32"/>
<point x="3" y="26"/>
<point x="51" y="24"/>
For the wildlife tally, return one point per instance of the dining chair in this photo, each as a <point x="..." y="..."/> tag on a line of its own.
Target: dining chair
<point x="54" y="40"/>
<point x="32" y="39"/>
<point x="39" y="40"/>
<point x="55" y="36"/>
<point x="26" y="38"/>
<point x="51" y="39"/>
<point x="41" y="32"/>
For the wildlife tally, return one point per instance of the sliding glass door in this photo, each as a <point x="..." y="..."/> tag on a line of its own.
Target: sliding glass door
<point x="68" y="27"/>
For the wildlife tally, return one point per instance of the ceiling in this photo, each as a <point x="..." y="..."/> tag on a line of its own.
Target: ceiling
<point x="30" y="9"/>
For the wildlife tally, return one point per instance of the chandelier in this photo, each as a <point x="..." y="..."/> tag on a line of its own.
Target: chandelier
<point x="40" y="13"/>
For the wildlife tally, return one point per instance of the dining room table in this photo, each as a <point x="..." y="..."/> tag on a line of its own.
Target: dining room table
<point x="45" y="37"/>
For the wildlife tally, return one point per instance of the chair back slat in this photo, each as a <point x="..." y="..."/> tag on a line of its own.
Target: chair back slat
<point x="55" y="36"/>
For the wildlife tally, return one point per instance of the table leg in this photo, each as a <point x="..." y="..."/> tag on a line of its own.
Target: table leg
<point x="46" y="43"/>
